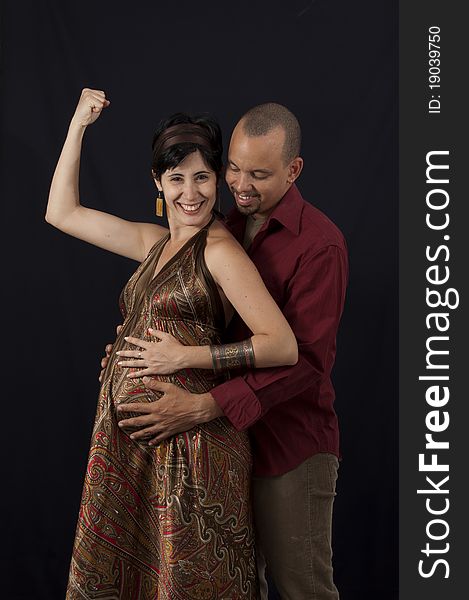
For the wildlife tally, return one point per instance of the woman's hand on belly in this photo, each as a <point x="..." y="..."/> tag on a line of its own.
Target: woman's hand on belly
<point x="163" y="357"/>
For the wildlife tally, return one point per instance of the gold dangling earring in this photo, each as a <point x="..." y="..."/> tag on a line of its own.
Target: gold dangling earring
<point x="159" y="204"/>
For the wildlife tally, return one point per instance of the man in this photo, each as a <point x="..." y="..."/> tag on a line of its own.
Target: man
<point x="302" y="257"/>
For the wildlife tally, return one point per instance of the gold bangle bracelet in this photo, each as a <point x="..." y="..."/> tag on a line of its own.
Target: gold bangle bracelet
<point x="233" y="356"/>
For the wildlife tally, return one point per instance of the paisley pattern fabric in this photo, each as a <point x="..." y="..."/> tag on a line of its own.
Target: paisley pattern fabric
<point x="171" y="521"/>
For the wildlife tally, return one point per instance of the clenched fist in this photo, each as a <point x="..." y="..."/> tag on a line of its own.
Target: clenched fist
<point x="90" y="106"/>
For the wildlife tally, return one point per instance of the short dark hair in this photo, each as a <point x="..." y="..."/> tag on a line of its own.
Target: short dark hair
<point x="211" y="152"/>
<point x="261" y="119"/>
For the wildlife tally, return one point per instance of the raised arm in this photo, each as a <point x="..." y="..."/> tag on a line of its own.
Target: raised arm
<point x="64" y="209"/>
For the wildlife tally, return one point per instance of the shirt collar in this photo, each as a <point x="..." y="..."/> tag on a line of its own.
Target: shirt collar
<point x="287" y="213"/>
<point x="288" y="210"/>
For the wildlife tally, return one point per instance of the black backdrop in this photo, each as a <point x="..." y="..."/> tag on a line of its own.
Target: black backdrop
<point x="334" y="63"/>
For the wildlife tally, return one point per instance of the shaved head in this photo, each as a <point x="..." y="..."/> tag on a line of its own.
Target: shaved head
<point x="262" y="119"/>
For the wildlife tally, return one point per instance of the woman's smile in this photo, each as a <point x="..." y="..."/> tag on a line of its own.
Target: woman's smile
<point x="190" y="209"/>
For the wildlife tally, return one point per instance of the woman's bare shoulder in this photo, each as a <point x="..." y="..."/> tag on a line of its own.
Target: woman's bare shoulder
<point x="219" y="236"/>
<point x="223" y="251"/>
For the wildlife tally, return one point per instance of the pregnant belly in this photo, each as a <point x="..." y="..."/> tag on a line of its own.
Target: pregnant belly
<point x="124" y="389"/>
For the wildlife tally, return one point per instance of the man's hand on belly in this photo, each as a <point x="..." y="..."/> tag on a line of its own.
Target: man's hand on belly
<point x="176" y="410"/>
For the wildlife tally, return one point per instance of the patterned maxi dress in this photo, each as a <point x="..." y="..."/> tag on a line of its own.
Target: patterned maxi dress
<point x="171" y="521"/>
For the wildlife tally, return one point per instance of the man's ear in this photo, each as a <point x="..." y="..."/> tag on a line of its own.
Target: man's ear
<point x="295" y="168"/>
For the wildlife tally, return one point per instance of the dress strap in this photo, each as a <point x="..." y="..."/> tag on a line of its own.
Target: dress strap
<point x="210" y="222"/>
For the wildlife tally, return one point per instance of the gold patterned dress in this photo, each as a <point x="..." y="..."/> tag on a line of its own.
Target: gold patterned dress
<point x="171" y="521"/>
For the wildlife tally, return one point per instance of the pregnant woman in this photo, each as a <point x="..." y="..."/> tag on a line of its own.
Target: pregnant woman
<point x="173" y="520"/>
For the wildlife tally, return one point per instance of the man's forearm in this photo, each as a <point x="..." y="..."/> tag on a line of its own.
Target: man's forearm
<point x="208" y="408"/>
<point x="244" y="399"/>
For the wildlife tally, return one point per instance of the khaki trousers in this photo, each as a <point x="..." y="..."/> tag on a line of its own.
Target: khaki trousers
<point x="293" y="520"/>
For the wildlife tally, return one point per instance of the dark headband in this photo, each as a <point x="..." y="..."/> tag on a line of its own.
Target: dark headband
<point x="183" y="133"/>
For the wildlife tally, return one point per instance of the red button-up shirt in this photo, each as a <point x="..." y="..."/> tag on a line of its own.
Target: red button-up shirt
<point x="302" y="258"/>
